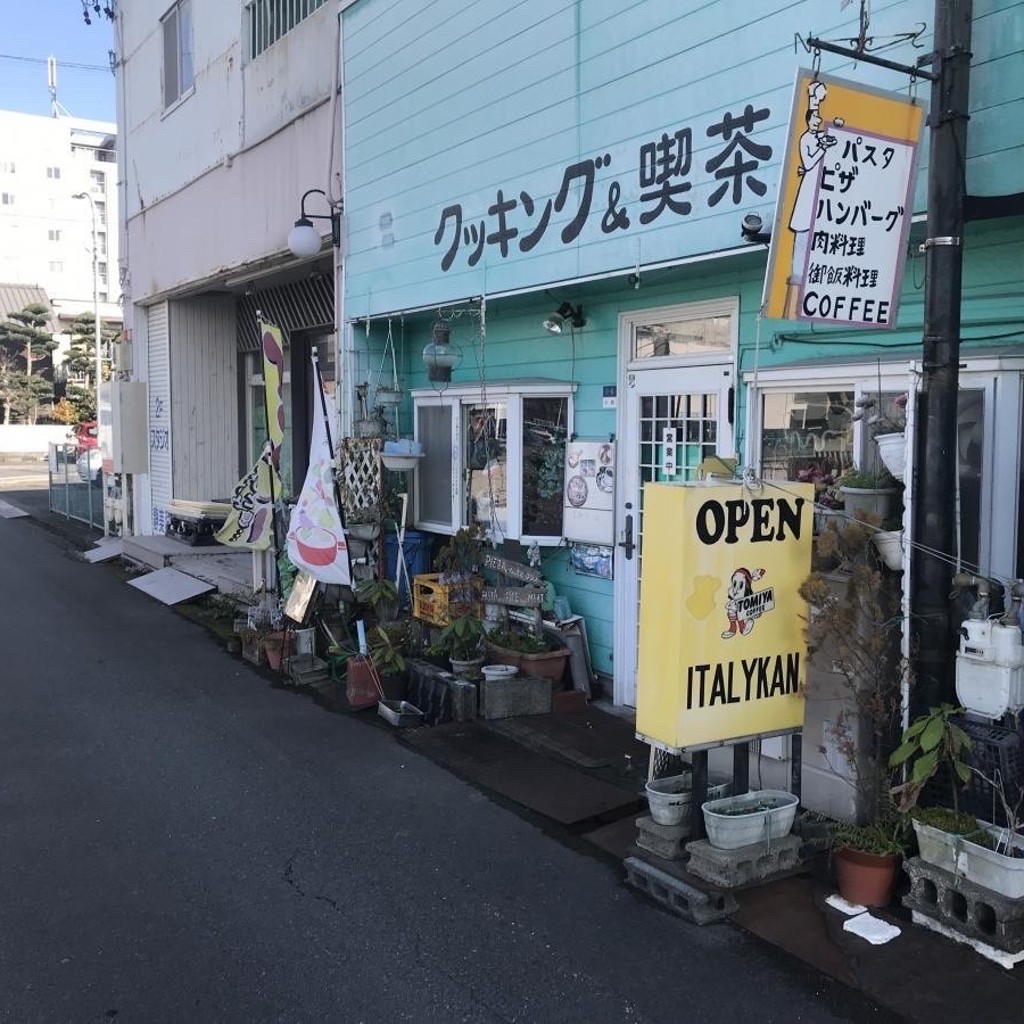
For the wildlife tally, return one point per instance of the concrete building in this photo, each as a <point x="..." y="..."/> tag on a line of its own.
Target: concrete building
<point x="45" y="234"/>
<point x="227" y="122"/>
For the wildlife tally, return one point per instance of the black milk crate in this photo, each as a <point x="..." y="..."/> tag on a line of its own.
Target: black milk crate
<point x="996" y="749"/>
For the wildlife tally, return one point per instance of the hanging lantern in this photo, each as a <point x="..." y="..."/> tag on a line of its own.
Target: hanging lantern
<point x="439" y="356"/>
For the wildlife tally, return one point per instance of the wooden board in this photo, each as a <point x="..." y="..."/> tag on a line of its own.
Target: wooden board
<point x="514" y="597"/>
<point x="515" y="570"/>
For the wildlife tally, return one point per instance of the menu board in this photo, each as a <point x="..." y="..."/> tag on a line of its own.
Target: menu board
<point x="588" y="501"/>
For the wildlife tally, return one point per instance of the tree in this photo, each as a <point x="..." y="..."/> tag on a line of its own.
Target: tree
<point x="81" y="362"/>
<point x="25" y="336"/>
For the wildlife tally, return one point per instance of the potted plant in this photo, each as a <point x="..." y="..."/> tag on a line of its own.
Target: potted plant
<point x="381" y="595"/>
<point x="961" y="844"/>
<point x="871" y="493"/>
<point x="756" y="817"/>
<point x="890" y="435"/>
<point x="538" y="656"/>
<point x="461" y="640"/>
<point x="853" y="633"/>
<point x="386" y="650"/>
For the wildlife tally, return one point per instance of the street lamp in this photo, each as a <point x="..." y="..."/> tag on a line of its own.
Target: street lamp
<point x="95" y="302"/>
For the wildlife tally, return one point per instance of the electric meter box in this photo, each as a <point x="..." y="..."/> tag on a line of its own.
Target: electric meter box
<point x="124" y="431"/>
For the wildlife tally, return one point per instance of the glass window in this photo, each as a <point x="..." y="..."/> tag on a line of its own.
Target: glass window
<point x="700" y="336"/>
<point x="496" y="460"/>
<point x="101" y="212"/>
<point x="54" y="234"/>
<point x="53" y="172"/>
<point x="179" y="71"/>
<point x="545" y="429"/>
<point x="807" y="435"/>
<point x="99" y="181"/>
<point x="485" y="429"/>
<point x="970" y="447"/>
<point x="434" y="431"/>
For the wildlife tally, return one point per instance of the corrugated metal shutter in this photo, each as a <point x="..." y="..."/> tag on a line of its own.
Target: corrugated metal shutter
<point x="159" y="414"/>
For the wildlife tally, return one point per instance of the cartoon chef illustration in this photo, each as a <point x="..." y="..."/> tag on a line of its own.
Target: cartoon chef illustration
<point x="737" y="606"/>
<point x="814" y="143"/>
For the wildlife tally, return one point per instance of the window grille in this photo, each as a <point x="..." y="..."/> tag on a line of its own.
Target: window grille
<point x="268" y="20"/>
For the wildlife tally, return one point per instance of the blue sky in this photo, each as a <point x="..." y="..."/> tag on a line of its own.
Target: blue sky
<point x="37" y="29"/>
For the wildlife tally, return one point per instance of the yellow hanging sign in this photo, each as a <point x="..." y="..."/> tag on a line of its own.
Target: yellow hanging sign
<point x="846" y="194"/>
<point x="722" y="650"/>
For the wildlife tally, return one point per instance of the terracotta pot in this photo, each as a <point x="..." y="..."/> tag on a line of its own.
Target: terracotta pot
<point x="360" y="689"/>
<point x="867" y="879"/>
<point x="274" y="648"/>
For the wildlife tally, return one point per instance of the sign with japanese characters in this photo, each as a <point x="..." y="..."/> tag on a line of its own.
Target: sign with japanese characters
<point x="844" y="205"/>
<point x="722" y="654"/>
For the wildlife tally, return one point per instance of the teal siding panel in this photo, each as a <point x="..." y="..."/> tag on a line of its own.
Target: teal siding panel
<point x="533" y="87"/>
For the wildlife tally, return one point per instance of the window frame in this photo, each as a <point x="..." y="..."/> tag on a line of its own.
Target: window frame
<point x="456" y="398"/>
<point x="172" y="21"/>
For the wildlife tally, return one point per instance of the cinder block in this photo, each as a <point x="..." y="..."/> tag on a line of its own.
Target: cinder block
<point x="511" y="698"/>
<point x="733" y="868"/>
<point x="678" y="896"/>
<point x="668" y="841"/>
<point x="464" y="699"/>
<point x="969" y="909"/>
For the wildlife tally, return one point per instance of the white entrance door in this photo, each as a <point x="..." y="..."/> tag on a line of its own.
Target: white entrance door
<point x="674" y="412"/>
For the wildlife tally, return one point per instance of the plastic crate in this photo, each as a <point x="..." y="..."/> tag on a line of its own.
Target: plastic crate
<point x="438" y="603"/>
<point x="996" y="748"/>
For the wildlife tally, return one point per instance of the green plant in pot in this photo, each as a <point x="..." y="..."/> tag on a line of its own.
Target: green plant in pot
<point x="381" y="595"/>
<point x="461" y="639"/>
<point x="387" y="653"/>
<point x="857" y="672"/>
<point x="534" y="655"/>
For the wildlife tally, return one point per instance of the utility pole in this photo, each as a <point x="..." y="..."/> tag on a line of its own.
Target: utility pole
<point x="937" y="459"/>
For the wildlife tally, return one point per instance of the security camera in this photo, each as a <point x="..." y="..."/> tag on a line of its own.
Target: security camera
<point x="751" y="229"/>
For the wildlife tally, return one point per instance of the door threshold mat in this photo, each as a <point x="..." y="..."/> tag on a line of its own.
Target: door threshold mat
<point x="589" y="738"/>
<point x="497" y="763"/>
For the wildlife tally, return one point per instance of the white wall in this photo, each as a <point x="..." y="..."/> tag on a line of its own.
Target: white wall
<point x="21" y="439"/>
<point x="33" y="150"/>
<point x="213" y="183"/>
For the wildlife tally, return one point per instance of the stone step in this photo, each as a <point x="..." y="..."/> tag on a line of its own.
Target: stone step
<point x="680" y="897"/>
<point x="973" y="911"/>
<point x="732" y="869"/>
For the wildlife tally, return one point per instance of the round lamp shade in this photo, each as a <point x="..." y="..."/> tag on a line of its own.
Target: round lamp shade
<point x="304" y="239"/>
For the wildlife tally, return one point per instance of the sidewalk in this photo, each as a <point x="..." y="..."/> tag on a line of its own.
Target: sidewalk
<point x="580" y="775"/>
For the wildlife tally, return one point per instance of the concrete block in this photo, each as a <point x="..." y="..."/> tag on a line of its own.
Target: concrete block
<point x="680" y="897"/>
<point x="511" y="698"/>
<point x="427" y="687"/>
<point x="668" y="841"/>
<point x="972" y="910"/>
<point x="464" y="699"/>
<point x="755" y="863"/>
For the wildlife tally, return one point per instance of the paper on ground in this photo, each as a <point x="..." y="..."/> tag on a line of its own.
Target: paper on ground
<point x="874" y="929"/>
<point x="850" y="909"/>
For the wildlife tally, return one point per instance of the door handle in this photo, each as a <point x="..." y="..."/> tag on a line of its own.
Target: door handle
<point x="626" y="543"/>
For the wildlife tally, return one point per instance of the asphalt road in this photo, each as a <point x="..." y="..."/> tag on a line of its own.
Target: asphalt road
<point x="182" y="842"/>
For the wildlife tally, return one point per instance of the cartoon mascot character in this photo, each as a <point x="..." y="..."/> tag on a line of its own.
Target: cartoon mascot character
<point x="740" y="586"/>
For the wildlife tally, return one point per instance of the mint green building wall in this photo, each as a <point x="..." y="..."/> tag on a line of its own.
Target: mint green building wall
<point x="529" y="89"/>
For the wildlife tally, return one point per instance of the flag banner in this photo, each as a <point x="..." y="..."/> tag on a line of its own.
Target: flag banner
<point x="273" y="378"/>
<point x="316" y="539"/>
<point x="250" y="523"/>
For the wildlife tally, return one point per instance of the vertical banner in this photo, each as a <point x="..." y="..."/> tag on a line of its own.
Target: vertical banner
<point x="316" y="538"/>
<point x="844" y="206"/>
<point x="250" y="523"/>
<point x="722" y="648"/>
<point x="273" y="379"/>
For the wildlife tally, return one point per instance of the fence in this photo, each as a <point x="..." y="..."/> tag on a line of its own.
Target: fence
<point x="72" y="492"/>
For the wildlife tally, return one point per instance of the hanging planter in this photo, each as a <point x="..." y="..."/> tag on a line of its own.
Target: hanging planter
<point x="889" y="545"/>
<point x="892" y="448"/>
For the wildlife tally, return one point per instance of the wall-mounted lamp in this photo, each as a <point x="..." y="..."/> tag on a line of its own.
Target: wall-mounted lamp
<point x="751" y="230"/>
<point x="304" y="239"/>
<point x="439" y="357"/>
<point x="555" y="323"/>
